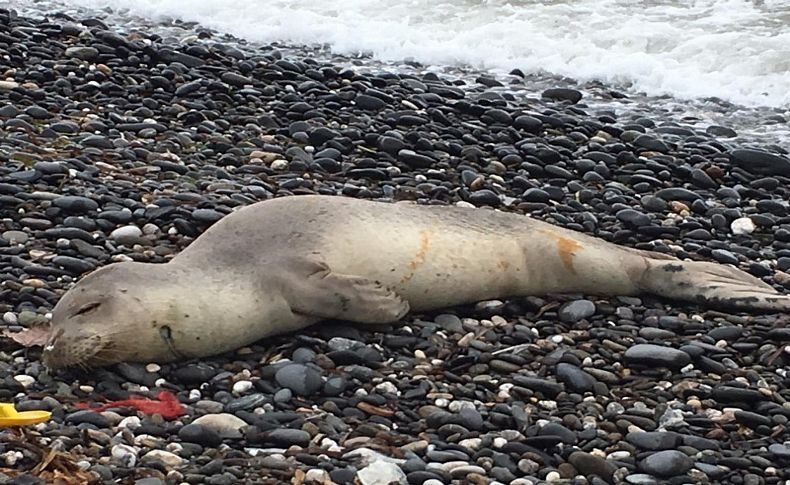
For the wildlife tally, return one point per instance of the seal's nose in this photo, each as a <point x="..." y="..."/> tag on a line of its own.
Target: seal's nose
<point x="49" y="357"/>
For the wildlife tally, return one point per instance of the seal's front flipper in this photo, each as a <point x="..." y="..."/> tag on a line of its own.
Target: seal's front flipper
<point x="315" y="290"/>
<point x="712" y="284"/>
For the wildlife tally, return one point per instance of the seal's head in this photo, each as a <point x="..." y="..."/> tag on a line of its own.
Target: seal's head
<point x="106" y="318"/>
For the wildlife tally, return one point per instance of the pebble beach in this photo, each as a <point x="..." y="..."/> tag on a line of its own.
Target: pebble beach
<point x="125" y="141"/>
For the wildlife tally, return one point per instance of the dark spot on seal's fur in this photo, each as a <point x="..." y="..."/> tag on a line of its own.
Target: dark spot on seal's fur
<point x="674" y="268"/>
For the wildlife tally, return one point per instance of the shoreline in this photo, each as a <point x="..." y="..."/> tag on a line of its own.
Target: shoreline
<point x="145" y="145"/>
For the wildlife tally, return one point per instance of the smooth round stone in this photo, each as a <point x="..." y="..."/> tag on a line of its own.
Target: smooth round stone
<point x="299" y="378"/>
<point x="724" y="256"/>
<point x="82" y="52"/>
<point x="633" y="217"/>
<point x="240" y="387"/>
<point x="288" y="437"/>
<point x="15" y="237"/>
<point x="485" y="197"/>
<point x="653" y="440"/>
<point x="563" y="94"/>
<point x="202" y="435"/>
<point x="742" y="225"/>
<point x="226" y="425"/>
<point x="283" y="395"/>
<point x="90" y="417"/>
<point x="335" y="386"/>
<point x="641" y="479"/>
<point x="368" y="102"/>
<point x="575" y="378"/>
<point x="576" y="310"/>
<point x="124" y="455"/>
<point x="761" y="162"/>
<point x="250" y="401"/>
<point x="449" y="322"/>
<point x="589" y="464"/>
<point x="126" y="233"/>
<point x="75" y="204"/>
<point x="668" y="463"/>
<point x="207" y="216"/>
<point x="650" y="355"/>
<point x="779" y="450"/>
<point x="381" y="472"/>
<point x="167" y="458"/>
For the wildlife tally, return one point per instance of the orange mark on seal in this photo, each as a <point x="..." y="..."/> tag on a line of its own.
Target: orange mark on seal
<point x="419" y="258"/>
<point x="504" y="265"/>
<point x="566" y="248"/>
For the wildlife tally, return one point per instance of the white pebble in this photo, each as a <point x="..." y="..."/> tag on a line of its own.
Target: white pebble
<point x="742" y="225"/>
<point x="553" y="477"/>
<point x="471" y="443"/>
<point x="25" y="380"/>
<point x="279" y="164"/>
<point x="130" y="422"/>
<point x="498" y="321"/>
<point x="195" y="394"/>
<point x="499" y="442"/>
<point x="125" y="455"/>
<point x="126" y="232"/>
<point x="548" y="405"/>
<point x="10" y="318"/>
<point x="388" y="387"/>
<point x="153" y="368"/>
<point x="316" y="475"/>
<point x="457" y="406"/>
<point x="169" y="459"/>
<point x="11" y="457"/>
<point x="241" y="387"/>
<point x="151" y="229"/>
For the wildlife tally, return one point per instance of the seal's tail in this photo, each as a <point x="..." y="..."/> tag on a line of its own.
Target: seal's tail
<point x="711" y="284"/>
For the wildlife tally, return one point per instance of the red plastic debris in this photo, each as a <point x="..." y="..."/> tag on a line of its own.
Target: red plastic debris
<point x="167" y="406"/>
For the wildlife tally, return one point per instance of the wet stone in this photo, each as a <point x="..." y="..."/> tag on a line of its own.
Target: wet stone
<point x="202" y="435"/>
<point x="301" y="379"/>
<point x="668" y="463"/>
<point x="650" y="355"/>
<point x="576" y="311"/>
<point x="575" y="378"/>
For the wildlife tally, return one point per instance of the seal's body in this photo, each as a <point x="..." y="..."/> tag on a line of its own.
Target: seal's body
<point x="280" y="265"/>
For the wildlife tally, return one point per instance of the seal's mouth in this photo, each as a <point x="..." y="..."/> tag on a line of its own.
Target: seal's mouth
<point x="64" y="351"/>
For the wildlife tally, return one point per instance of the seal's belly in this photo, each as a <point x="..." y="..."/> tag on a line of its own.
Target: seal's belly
<point x="433" y="266"/>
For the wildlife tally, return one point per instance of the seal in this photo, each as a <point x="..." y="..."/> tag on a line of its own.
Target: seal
<point x="280" y="265"/>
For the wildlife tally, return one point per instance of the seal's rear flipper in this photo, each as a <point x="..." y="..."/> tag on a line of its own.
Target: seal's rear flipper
<point x="711" y="284"/>
<point x="316" y="291"/>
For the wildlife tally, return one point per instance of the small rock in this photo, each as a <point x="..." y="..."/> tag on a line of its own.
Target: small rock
<point x="650" y="355"/>
<point x="224" y="424"/>
<point x="380" y="472"/>
<point x="576" y="310"/>
<point x="668" y="463"/>
<point x="742" y="225"/>
<point x="303" y="380"/>
<point x="563" y="94"/>
<point x="202" y="435"/>
<point x="588" y="464"/>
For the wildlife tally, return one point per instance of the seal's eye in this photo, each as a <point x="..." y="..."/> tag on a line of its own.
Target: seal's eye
<point x="87" y="308"/>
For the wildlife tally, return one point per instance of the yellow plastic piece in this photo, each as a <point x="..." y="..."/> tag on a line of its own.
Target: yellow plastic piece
<point x="9" y="416"/>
